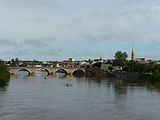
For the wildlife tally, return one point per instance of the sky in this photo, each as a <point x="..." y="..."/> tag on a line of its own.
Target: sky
<point x="81" y="29"/>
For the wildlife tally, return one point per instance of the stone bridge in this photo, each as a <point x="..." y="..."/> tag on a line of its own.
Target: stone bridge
<point x="49" y="70"/>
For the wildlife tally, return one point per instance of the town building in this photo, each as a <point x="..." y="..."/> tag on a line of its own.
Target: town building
<point x="71" y="60"/>
<point x="140" y="60"/>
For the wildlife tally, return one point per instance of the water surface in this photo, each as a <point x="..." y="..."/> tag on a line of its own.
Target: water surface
<point x="44" y="97"/>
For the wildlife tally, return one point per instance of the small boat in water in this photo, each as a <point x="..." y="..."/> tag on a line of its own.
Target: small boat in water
<point x="69" y="85"/>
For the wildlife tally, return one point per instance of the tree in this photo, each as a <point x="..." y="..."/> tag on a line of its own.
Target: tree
<point x="4" y="75"/>
<point x="139" y="67"/>
<point x="120" y="56"/>
<point x="157" y="67"/>
<point x="156" y="74"/>
<point x="1" y="62"/>
<point x="16" y="60"/>
<point x="120" y="59"/>
<point x="149" y="68"/>
<point x="110" y="68"/>
<point x="130" y="66"/>
<point x="13" y="63"/>
<point x="97" y="65"/>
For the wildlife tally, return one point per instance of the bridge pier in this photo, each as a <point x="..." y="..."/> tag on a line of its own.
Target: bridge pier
<point x="69" y="73"/>
<point x="33" y="74"/>
<point x="51" y="73"/>
<point x="12" y="73"/>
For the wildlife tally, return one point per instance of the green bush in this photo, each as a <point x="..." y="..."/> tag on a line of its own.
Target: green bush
<point x="4" y="75"/>
<point x="156" y="74"/>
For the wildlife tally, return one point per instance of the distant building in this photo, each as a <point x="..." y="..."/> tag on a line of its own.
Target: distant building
<point x="38" y="66"/>
<point x="85" y="63"/>
<point x="105" y="66"/>
<point x="57" y="64"/>
<point x="98" y="60"/>
<point x="71" y="60"/>
<point x="140" y="60"/>
<point x="151" y="61"/>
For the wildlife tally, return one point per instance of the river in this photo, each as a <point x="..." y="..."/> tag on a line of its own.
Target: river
<point x="44" y="97"/>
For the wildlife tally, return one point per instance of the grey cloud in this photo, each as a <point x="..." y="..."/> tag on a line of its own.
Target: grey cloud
<point x="53" y="53"/>
<point x="8" y="42"/>
<point x="15" y="52"/>
<point x="37" y="20"/>
<point x="85" y="21"/>
<point x="35" y="42"/>
<point x="24" y="53"/>
<point x="32" y="3"/>
<point x="33" y="6"/>
<point x="20" y="53"/>
<point x="39" y="42"/>
<point x="125" y="24"/>
<point x="137" y="25"/>
<point x="90" y="53"/>
<point x="110" y="37"/>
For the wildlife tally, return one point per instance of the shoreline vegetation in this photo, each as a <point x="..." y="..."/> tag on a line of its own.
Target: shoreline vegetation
<point x="4" y="75"/>
<point x="147" y="71"/>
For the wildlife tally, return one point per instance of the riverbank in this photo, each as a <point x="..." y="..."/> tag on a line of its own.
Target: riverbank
<point x="4" y="76"/>
<point x="127" y="75"/>
<point x="155" y="76"/>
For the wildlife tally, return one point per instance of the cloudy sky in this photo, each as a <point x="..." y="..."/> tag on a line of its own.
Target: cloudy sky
<point x="82" y="29"/>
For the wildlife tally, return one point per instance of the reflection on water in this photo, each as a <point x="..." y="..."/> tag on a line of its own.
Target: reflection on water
<point x="60" y="75"/>
<point x="41" y="73"/>
<point x="22" y="73"/>
<point x="43" y="97"/>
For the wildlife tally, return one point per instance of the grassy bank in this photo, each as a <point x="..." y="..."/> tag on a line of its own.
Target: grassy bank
<point x="4" y="76"/>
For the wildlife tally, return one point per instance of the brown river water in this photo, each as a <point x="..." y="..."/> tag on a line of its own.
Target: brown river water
<point x="44" y="97"/>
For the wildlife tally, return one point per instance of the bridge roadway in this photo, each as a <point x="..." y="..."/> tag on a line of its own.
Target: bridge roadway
<point x="49" y="70"/>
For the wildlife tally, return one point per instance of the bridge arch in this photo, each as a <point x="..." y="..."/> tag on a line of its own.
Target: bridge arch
<point x="78" y="72"/>
<point x="24" y="69"/>
<point x="44" y="69"/>
<point x="61" y="70"/>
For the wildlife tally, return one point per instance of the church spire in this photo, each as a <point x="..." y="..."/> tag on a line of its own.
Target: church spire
<point x="132" y="55"/>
